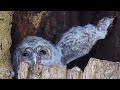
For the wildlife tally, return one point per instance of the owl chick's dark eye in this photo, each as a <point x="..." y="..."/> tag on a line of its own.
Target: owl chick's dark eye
<point x="25" y="54"/>
<point x="43" y="52"/>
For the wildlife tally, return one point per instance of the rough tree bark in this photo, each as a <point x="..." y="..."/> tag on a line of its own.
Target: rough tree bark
<point x="101" y="69"/>
<point x="95" y="69"/>
<point x="45" y="72"/>
<point x="5" y="44"/>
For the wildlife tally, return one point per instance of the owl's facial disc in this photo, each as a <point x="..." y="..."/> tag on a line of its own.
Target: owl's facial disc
<point x="35" y="55"/>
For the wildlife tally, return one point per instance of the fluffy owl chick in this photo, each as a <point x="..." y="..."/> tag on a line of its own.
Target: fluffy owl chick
<point x="75" y="43"/>
<point x="34" y="50"/>
<point x="78" y="41"/>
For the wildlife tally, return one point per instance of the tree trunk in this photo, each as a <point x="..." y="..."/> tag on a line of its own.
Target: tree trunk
<point x="5" y="44"/>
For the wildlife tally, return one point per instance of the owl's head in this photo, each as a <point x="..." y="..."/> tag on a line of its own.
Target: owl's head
<point x="35" y="50"/>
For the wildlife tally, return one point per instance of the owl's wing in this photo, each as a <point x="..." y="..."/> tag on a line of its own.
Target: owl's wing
<point x="78" y="41"/>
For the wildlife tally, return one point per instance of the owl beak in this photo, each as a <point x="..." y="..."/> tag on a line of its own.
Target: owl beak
<point x="35" y="59"/>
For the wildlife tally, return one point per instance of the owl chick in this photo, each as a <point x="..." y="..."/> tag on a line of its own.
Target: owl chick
<point x="75" y="43"/>
<point x="34" y="50"/>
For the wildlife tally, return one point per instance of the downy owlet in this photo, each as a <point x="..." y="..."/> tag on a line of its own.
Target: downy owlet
<point x="75" y="43"/>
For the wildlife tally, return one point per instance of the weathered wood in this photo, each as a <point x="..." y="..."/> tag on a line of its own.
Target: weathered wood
<point x="95" y="69"/>
<point x="23" y="70"/>
<point x="101" y="69"/>
<point x="45" y="72"/>
<point x="5" y="44"/>
<point x="35" y="72"/>
<point x="54" y="72"/>
<point x="74" y="73"/>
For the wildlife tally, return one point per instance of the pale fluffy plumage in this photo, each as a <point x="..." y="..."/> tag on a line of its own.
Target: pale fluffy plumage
<point x="78" y="41"/>
<point x="75" y="43"/>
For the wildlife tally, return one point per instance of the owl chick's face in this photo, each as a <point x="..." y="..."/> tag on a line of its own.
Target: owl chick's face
<point x="35" y="55"/>
<point x="34" y="50"/>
